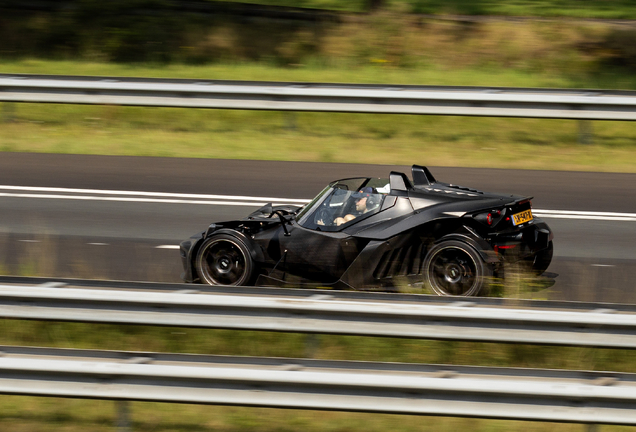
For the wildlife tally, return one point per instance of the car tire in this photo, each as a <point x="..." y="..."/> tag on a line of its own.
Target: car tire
<point x="542" y="259"/>
<point x="454" y="268"/>
<point x="224" y="260"/>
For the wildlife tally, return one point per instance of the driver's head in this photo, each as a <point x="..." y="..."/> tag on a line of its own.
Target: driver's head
<point x="362" y="197"/>
<point x="361" y="204"/>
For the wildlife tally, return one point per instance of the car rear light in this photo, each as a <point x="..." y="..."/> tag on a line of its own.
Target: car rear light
<point x="497" y="248"/>
<point x="491" y="218"/>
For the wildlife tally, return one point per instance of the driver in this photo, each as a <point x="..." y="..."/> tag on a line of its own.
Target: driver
<point x="361" y="200"/>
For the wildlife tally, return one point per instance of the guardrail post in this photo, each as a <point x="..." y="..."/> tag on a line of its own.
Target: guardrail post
<point x="585" y="132"/>
<point x="290" y="120"/>
<point x="8" y="112"/>
<point x="312" y="344"/>
<point x="123" y="416"/>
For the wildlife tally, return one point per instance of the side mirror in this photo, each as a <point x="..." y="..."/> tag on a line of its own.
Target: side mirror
<point x="267" y="209"/>
<point x="283" y="221"/>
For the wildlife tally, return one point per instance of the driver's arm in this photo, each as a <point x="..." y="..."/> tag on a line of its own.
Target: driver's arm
<point x="341" y="220"/>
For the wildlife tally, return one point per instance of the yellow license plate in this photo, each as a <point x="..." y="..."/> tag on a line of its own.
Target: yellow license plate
<point x="522" y="217"/>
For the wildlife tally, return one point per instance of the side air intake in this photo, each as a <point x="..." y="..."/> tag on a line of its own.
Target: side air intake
<point x="403" y="261"/>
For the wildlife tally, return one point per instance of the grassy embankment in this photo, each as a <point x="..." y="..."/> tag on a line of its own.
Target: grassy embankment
<point x="387" y="48"/>
<point x="359" y="138"/>
<point x="605" y="9"/>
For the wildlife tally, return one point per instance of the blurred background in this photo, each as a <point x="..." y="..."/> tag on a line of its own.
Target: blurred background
<point x="541" y="43"/>
<point x="566" y="164"/>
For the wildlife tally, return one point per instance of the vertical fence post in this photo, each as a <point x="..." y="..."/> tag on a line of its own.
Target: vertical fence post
<point x="312" y="340"/>
<point x="290" y="120"/>
<point x="585" y="132"/>
<point x="123" y="416"/>
<point x="312" y="344"/>
<point x="8" y="112"/>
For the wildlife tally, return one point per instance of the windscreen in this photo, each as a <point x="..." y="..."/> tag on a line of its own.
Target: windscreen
<point x="344" y="203"/>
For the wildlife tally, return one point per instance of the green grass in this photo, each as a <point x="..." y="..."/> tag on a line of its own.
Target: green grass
<point x="319" y="137"/>
<point x="610" y="9"/>
<point x="35" y="414"/>
<point x="250" y="343"/>
<point x="316" y="72"/>
<point x="386" y="48"/>
<point x="70" y="415"/>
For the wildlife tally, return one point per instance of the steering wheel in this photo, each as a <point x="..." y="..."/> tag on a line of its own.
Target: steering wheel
<point x="324" y="215"/>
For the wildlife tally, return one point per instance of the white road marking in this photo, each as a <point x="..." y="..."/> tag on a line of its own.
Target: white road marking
<point x="584" y="213"/>
<point x="98" y="244"/>
<point x="33" y="192"/>
<point x="167" y="247"/>
<point x="150" y="194"/>
<point x="145" y="200"/>
<point x="582" y="217"/>
<point x="574" y="214"/>
<point x="602" y="265"/>
<point x="30" y="241"/>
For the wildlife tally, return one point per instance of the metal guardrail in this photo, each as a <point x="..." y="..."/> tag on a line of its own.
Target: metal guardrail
<point x="603" y="326"/>
<point x="376" y="295"/>
<point x="503" y="393"/>
<point x="289" y="96"/>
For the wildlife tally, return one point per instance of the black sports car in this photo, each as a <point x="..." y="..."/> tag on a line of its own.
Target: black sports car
<point x="372" y="233"/>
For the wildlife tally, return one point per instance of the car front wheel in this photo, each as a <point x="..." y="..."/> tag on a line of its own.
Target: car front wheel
<point x="224" y="260"/>
<point x="453" y="268"/>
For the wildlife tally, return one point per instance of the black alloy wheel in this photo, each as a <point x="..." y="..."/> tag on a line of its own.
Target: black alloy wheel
<point x="541" y="261"/>
<point x="224" y="260"/>
<point x="453" y="268"/>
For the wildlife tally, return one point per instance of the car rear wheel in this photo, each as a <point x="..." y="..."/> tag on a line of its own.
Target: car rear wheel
<point x="453" y="268"/>
<point x="541" y="261"/>
<point x="224" y="260"/>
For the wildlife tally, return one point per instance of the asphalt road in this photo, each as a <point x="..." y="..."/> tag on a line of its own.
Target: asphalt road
<point x="116" y="235"/>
